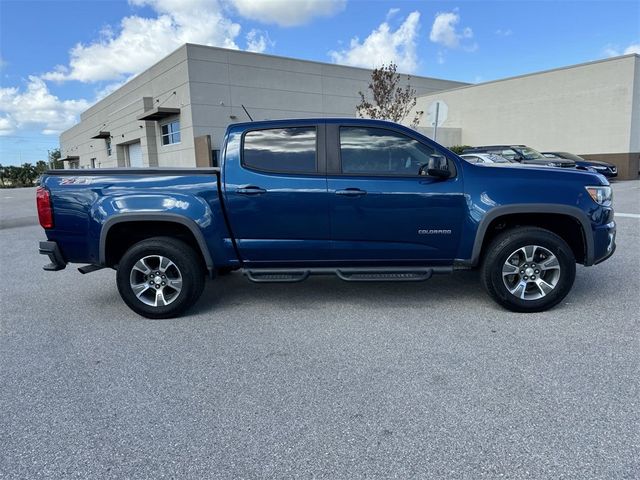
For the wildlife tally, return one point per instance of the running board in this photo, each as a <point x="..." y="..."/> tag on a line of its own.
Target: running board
<point x="351" y="274"/>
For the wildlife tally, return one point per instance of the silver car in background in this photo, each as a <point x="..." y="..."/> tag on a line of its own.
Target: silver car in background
<point x="485" y="158"/>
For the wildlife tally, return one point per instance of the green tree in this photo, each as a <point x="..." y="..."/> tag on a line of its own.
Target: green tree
<point x="388" y="100"/>
<point x="54" y="159"/>
<point x="458" y="149"/>
<point x="41" y="167"/>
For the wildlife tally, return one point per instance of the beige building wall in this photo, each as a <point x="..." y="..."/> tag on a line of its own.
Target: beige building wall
<point x="590" y="109"/>
<point x="270" y="87"/>
<point x="165" y="84"/>
<point x="209" y="85"/>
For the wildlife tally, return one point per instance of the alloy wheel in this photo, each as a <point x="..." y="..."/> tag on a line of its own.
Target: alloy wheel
<point x="155" y="280"/>
<point x="531" y="272"/>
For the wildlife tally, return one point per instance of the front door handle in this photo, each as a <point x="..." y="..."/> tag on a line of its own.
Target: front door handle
<point x="250" y="190"/>
<point x="351" y="192"/>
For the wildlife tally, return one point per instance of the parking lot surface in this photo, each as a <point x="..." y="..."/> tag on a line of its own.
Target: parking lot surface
<point x="321" y="379"/>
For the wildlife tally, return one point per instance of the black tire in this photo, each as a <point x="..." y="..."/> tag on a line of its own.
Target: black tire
<point x="509" y="242"/>
<point x="189" y="267"/>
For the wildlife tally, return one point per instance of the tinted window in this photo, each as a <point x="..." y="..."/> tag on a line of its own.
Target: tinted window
<point x="281" y="150"/>
<point x="381" y="152"/>
<point x="171" y="133"/>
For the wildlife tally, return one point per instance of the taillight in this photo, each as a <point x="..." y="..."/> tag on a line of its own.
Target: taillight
<point x="45" y="212"/>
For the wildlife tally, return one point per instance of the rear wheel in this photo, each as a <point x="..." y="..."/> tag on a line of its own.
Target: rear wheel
<point x="528" y="269"/>
<point x="160" y="277"/>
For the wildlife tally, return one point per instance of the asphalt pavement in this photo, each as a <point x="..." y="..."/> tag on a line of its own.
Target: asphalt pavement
<point x="321" y="379"/>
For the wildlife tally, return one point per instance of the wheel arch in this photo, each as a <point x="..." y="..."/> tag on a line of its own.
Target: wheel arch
<point x="185" y="224"/>
<point x="531" y="215"/>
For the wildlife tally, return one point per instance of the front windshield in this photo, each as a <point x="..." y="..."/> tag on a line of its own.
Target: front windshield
<point x="531" y="154"/>
<point x="570" y="156"/>
<point x="498" y="159"/>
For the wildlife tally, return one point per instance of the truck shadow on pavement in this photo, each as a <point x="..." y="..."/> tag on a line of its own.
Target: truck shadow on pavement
<point x="234" y="289"/>
<point x="441" y="291"/>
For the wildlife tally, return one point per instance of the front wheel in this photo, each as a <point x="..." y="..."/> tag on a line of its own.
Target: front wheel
<point x="160" y="277"/>
<point x="528" y="269"/>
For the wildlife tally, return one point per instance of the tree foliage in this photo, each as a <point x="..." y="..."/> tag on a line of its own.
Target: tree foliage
<point x="54" y="158"/>
<point x="22" y="176"/>
<point x="458" y="149"/>
<point x="387" y="99"/>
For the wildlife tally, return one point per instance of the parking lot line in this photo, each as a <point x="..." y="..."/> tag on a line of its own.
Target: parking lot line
<point x="628" y="215"/>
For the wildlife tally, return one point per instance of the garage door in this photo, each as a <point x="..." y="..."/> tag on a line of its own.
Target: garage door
<point x="135" y="155"/>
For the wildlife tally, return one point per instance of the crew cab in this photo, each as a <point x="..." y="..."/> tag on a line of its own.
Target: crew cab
<point x="365" y="200"/>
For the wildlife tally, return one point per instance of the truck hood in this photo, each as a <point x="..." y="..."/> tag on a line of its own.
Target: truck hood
<point x="541" y="173"/>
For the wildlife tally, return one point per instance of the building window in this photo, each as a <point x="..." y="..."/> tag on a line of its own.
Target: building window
<point x="376" y="151"/>
<point x="171" y="133"/>
<point x="281" y="150"/>
<point x="108" y="142"/>
<point x="93" y="163"/>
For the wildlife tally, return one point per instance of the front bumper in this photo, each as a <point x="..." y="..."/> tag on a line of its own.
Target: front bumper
<point x="604" y="242"/>
<point x="55" y="255"/>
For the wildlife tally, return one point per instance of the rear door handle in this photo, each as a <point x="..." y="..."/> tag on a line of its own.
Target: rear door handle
<point x="351" y="192"/>
<point x="250" y="190"/>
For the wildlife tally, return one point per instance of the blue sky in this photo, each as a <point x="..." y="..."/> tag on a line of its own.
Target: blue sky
<point x="58" y="57"/>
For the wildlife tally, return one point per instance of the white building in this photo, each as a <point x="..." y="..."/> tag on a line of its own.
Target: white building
<point x="592" y="110"/>
<point x="176" y="112"/>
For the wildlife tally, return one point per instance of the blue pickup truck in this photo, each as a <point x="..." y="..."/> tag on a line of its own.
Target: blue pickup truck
<point x="365" y="200"/>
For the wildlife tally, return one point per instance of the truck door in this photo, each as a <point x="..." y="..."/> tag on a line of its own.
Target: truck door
<point x="381" y="208"/>
<point x="276" y="193"/>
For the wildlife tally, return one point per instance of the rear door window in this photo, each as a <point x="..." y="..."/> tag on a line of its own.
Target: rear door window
<point x="281" y="150"/>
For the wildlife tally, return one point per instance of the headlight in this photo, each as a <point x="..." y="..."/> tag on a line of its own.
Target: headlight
<point x="599" y="167"/>
<point x="551" y="164"/>
<point x="601" y="195"/>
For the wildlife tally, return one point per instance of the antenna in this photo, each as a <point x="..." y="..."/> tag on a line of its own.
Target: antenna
<point x="245" y="111"/>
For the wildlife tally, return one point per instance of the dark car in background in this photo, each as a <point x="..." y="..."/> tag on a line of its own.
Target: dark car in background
<point x="521" y="154"/>
<point x="607" y="169"/>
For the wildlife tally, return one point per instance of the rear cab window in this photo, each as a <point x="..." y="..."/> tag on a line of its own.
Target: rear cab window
<point x="281" y="150"/>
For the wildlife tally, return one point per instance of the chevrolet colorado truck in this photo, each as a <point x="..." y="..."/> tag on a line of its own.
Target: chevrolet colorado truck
<point x="365" y="200"/>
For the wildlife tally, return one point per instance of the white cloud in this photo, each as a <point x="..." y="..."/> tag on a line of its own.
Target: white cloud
<point x="633" y="48"/>
<point x="504" y="33"/>
<point x="615" y="50"/>
<point x="6" y="126"/>
<point x="37" y="107"/>
<point x="287" y="13"/>
<point x="140" y="41"/>
<point x="384" y="45"/>
<point x="444" y="32"/>
<point x="258" y="41"/>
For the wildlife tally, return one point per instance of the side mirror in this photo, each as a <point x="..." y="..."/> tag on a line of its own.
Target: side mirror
<point x="438" y="166"/>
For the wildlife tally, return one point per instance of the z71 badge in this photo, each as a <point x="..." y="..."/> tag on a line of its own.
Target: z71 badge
<point x="75" y="181"/>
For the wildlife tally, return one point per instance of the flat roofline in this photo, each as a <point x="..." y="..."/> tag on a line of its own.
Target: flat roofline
<point x="533" y="74"/>
<point x="315" y="62"/>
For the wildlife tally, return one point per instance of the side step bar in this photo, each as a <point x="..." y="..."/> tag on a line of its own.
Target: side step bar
<point x="350" y="274"/>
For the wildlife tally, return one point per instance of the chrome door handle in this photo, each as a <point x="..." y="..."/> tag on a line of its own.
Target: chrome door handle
<point x="250" y="190"/>
<point x="351" y="192"/>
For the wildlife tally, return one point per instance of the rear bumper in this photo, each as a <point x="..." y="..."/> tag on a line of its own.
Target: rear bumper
<point x="55" y="255"/>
